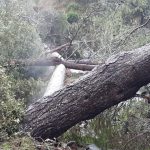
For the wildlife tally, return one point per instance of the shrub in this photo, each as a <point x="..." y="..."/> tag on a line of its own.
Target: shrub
<point x="11" y="110"/>
<point x="72" y="17"/>
<point x="18" y="34"/>
<point x="73" y="7"/>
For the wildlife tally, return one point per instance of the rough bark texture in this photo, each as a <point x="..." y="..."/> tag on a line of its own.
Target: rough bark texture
<point x="107" y="85"/>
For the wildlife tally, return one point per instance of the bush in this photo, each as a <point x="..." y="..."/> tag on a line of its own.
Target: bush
<point x="72" y="17"/>
<point x="18" y="34"/>
<point x="73" y="7"/>
<point x="133" y="9"/>
<point x="19" y="39"/>
<point x="11" y="110"/>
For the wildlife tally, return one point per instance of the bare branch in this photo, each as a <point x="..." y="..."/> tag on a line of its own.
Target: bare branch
<point x="134" y="30"/>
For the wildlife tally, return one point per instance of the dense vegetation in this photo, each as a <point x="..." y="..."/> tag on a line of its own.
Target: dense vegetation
<point x="18" y="40"/>
<point x="96" y="29"/>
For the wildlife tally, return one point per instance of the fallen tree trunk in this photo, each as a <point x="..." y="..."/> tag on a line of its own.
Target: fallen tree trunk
<point x="52" y="61"/>
<point x="84" y="61"/>
<point x="83" y="67"/>
<point x="57" y="80"/>
<point x="107" y="85"/>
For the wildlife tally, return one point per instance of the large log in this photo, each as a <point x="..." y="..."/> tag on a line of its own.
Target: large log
<point x="57" y="80"/>
<point x="84" y="61"/>
<point x="107" y="85"/>
<point x="52" y="61"/>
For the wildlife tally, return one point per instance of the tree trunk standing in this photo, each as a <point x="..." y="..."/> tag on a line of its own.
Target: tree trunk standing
<point x="107" y="85"/>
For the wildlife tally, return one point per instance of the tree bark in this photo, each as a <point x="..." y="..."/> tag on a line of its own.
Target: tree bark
<point x="84" y="61"/>
<point x="52" y="61"/>
<point x="105" y="86"/>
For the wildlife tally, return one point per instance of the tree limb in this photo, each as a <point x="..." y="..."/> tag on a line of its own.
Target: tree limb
<point x="53" y="61"/>
<point x="134" y="30"/>
<point x="59" y="48"/>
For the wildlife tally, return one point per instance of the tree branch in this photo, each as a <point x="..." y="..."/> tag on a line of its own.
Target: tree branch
<point x="53" y="61"/>
<point x="134" y="30"/>
<point x="59" y="48"/>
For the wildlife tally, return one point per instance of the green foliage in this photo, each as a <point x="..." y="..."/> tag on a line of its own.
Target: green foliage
<point x="18" y="34"/>
<point x="16" y="91"/>
<point x="114" y="128"/>
<point x="53" y="24"/>
<point x="19" y="143"/>
<point x="99" y="35"/>
<point x="106" y="31"/>
<point x="11" y="110"/>
<point x="72" y="17"/>
<point x="73" y="7"/>
<point x="136" y="8"/>
<point x="73" y="10"/>
<point x="98" y="131"/>
<point x="19" y="39"/>
<point x="27" y="89"/>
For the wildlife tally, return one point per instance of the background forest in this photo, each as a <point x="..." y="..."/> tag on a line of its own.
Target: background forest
<point x="96" y="29"/>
